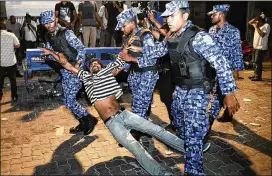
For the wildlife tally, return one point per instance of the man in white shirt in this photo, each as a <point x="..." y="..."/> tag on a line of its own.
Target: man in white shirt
<point x="15" y="28"/>
<point x="29" y="31"/>
<point x="101" y="13"/>
<point x="260" y="44"/>
<point x="8" y="60"/>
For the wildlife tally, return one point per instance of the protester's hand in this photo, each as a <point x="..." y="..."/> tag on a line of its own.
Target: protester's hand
<point x="231" y="103"/>
<point x="46" y="51"/>
<point x="125" y="57"/>
<point x="117" y="71"/>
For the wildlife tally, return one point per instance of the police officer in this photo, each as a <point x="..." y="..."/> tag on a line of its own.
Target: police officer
<point x="193" y="52"/>
<point x="228" y="39"/>
<point x="63" y="40"/>
<point x="141" y="52"/>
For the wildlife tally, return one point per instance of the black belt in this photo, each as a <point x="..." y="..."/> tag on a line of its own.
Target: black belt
<point x="117" y="113"/>
<point x="135" y="67"/>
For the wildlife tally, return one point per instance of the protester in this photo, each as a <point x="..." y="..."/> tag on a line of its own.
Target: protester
<point x="103" y="92"/>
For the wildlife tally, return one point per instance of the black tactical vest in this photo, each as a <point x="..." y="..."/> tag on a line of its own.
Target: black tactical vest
<point x="139" y="42"/>
<point x="60" y="44"/>
<point x="189" y="70"/>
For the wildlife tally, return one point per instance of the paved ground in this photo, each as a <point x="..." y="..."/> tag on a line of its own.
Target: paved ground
<point x="35" y="138"/>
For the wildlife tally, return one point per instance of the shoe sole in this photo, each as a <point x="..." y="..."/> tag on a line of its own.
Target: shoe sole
<point x="206" y="148"/>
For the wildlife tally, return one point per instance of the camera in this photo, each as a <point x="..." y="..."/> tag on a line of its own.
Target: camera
<point x="144" y="10"/>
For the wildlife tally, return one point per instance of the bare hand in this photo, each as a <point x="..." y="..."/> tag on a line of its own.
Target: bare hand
<point x="131" y="39"/>
<point x="134" y="48"/>
<point x="117" y="71"/>
<point x="125" y="57"/>
<point x="231" y="103"/>
<point x="46" y="51"/>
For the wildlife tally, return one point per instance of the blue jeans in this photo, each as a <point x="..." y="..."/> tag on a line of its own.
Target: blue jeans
<point x="120" y="126"/>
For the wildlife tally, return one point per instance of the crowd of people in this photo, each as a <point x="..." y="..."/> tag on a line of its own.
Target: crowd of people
<point x="191" y="67"/>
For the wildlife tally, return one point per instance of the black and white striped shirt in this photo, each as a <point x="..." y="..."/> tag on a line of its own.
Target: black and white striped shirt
<point x="103" y="84"/>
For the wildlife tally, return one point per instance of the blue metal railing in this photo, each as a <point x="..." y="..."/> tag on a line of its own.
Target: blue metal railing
<point x="34" y="63"/>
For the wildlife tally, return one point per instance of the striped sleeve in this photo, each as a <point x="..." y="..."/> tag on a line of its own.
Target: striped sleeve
<point x="111" y="66"/>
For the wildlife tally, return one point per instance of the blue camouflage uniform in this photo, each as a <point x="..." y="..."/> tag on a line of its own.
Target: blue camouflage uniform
<point x="70" y="83"/>
<point x="189" y="107"/>
<point x="142" y="84"/>
<point x="228" y="39"/>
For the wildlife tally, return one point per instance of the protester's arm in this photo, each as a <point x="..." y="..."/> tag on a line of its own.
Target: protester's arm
<point x="59" y="57"/>
<point x="152" y="18"/>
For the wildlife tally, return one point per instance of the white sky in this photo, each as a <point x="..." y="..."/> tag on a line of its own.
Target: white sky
<point x="19" y="8"/>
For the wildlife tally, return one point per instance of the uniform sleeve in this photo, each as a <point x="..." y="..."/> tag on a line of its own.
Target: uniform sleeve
<point x="206" y="47"/>
<point x="152" y="49"/>
<point x="75" y="43"/>
<point x="236" y="51"/>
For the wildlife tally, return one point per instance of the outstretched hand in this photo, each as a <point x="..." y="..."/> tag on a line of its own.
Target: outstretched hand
<point x="46" y="51"/>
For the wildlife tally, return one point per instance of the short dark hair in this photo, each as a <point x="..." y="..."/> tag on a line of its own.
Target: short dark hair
<point x="3" y="24"/>
<point x="12" y="16"/>
<point x="185" y="10"/>
<point x="89" y="61"/>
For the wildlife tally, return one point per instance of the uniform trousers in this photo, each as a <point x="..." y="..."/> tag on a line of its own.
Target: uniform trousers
<point x="191" y="121"/>
<point x="71" y="86"/>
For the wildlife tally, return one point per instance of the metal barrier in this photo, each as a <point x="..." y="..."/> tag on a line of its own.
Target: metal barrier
<point x="34" y="63"/>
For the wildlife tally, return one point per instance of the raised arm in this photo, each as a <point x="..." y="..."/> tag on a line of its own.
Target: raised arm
<point x="61" y="58"/>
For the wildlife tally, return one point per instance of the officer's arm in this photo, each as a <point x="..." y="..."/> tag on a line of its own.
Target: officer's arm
<point x="75" y="43"/>
<point x="206" y="47"/>
<point x="153" y="49"/>
<point x="236" y="51"/>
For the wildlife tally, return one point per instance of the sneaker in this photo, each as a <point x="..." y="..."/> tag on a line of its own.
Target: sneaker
<point x="206" y="146"/>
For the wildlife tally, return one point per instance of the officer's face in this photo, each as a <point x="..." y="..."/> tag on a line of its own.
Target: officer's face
<point x="215" y="18"/>
<point x="51" y="27"/>
<point x="95" y="67"/>
<point x="177" y="21"/>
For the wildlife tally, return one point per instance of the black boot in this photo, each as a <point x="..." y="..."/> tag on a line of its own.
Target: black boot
<point x="89" y="123"/>
<point x="78" y="128"/>
<point x="18" y="74"/>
